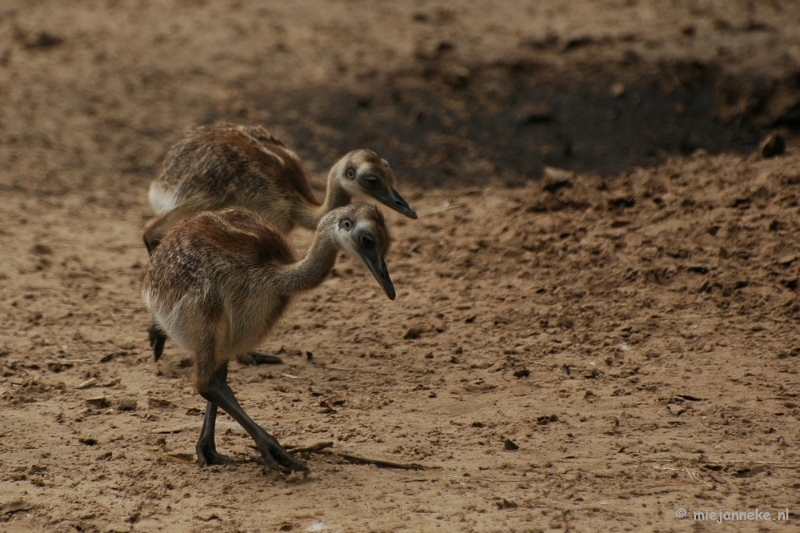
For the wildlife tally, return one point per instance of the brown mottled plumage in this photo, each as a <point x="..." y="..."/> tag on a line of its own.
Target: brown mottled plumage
<point x="225" y="165"/>
<point x="219" y="281"/>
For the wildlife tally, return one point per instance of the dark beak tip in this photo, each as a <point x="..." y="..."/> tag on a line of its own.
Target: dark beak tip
<point x="388" y="288"/>
<point x="402" y="206"/>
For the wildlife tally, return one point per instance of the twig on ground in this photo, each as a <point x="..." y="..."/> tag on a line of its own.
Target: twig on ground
<point x="322" y="447"/>
<point x="318" y="447"/>
<point x="342" y="369"/>
<point x="696" y="478"/>
<point x="379" y="462"/>
<point x="86" y="384"/>
<point x="440" y="210"/>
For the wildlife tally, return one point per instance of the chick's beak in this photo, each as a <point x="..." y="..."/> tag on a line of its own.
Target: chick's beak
<point x="392" y="198"/>
<point x="377" y="266"/>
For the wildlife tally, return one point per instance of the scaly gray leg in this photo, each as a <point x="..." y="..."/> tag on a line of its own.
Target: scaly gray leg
<point x="206" y="449"/>
<point x="220" y="394"/>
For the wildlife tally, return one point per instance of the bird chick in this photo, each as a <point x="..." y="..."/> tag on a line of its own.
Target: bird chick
<point x="220" y="281"/>
<point x="225" y="165"/>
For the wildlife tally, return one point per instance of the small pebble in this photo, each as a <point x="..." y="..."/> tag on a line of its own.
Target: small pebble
<point x="510" y="445"/>
<point x="127" y="404"/>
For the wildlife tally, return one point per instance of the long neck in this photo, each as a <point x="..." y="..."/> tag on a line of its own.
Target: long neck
<point x="309" y="271"/>
<point x="335" y="197"/>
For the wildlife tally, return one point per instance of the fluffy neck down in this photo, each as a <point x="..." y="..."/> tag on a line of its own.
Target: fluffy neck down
<point x="335" y="196"/>
<point x="310" y="271"/>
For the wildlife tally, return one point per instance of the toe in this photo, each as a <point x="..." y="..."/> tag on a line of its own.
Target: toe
<point x="254" y="358"/>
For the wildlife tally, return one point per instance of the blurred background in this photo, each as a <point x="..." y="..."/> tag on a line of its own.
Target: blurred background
<point x="456" y="92"/>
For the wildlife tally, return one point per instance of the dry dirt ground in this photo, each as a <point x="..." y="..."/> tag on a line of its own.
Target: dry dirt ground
<point x="585" y="349"/>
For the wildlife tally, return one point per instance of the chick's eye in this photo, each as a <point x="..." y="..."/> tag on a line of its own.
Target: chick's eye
<point x="351" y="173"/>
<point x="346" y="224"/>
<point x="367" y="241"/>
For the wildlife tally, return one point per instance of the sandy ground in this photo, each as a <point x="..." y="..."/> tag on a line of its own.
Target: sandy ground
<point x="586" y="349"/>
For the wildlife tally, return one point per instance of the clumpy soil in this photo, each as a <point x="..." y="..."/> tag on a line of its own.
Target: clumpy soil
<point x="596" y="322"/>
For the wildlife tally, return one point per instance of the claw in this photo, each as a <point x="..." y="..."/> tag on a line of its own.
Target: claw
<point x="254" y="358"/>
<point x="279" y="459"/>
<point x="270" y="461"/>
<point x="207" y="456"/>
<point x="286" y="460"/>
